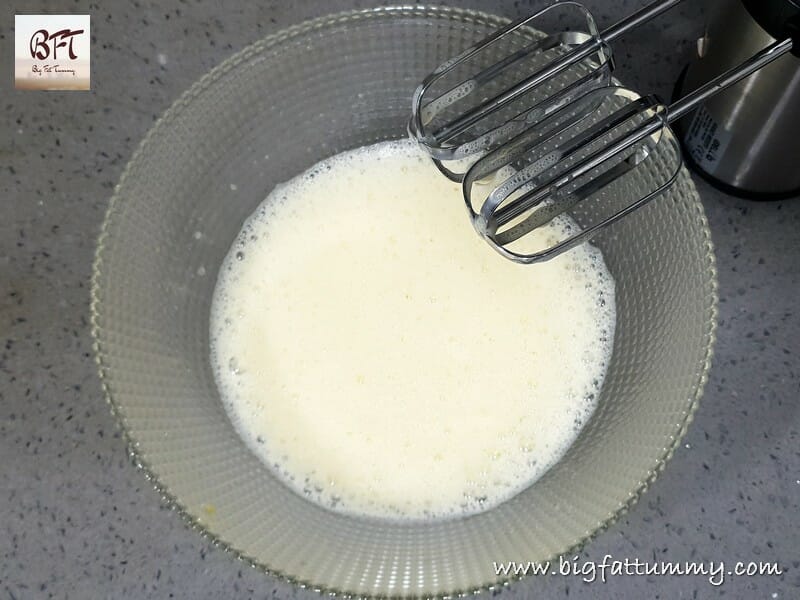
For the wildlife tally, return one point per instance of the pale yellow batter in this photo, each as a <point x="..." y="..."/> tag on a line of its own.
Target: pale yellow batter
<point x="372" y="349"/>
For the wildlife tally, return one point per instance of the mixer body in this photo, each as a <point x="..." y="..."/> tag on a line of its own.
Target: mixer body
<point x="746" y="139"/>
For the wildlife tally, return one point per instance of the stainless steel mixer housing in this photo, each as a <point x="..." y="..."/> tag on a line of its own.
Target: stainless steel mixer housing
<point x="746" y="139"/>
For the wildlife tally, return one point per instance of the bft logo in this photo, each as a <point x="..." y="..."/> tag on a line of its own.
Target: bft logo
<point x="51" y="52"/>
<point x="44" y="43"/>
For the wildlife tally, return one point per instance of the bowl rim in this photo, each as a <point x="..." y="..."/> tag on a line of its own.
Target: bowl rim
<point x="171" y="501"/>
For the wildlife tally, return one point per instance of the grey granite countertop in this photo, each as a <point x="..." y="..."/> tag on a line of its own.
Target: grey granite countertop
<point x="77" y="520"/>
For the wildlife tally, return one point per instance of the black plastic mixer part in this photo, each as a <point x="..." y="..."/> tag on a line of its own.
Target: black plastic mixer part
<point x="779" y="18"/>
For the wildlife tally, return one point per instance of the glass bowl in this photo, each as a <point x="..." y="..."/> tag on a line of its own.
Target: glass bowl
<point x="258" y="119"/>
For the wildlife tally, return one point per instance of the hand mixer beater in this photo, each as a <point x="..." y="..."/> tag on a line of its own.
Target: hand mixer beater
<point x="532" y="126"/>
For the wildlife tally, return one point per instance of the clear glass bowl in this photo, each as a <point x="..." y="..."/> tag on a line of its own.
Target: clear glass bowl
<point x="263" y="116"/>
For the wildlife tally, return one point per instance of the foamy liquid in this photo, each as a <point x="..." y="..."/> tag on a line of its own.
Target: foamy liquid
<point x="371" y="349"/>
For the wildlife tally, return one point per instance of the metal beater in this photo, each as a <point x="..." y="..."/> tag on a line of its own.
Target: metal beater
<point x="533" y="127"/>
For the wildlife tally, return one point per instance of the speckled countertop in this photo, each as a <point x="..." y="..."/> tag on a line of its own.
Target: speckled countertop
<point x="76" y="518"/>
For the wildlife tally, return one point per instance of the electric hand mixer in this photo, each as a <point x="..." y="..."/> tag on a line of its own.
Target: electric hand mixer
<point x="532" y="126"/>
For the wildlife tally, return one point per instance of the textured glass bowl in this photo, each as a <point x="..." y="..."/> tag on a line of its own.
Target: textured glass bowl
<point x="258" y="119"/>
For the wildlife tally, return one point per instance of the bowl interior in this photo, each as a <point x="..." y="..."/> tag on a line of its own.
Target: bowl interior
<point x="257" y="120"/>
